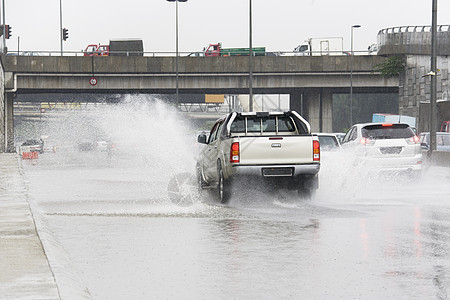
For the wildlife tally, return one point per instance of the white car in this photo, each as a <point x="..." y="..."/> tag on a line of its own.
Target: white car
<point x="442" y="141"/>
<point x="385" y="147"/>
<point x="329" y="142"/>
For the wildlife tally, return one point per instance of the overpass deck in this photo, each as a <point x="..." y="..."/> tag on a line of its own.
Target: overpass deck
<point x="271" y="74"/>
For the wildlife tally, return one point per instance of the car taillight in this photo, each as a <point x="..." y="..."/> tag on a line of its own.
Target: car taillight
<point x="367" y="142"/>
<point x="234" y="152"/>
<point x="316" y="151"/>
<point x="413" y="140"/>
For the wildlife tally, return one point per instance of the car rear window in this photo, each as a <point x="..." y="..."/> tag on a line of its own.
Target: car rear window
<point x="387" y="131"/>
<point x="262" y="124"/>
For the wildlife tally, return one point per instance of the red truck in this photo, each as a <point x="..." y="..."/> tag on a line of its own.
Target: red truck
<point x="116" y="48"/>
<point x="96" y="50"/>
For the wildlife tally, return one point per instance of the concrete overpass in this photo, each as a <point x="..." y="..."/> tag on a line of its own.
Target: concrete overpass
<point x="310" y="80"/>
<point x="413" y="43"/>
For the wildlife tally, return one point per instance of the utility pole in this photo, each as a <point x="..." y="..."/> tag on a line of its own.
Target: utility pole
<point x="60" y="26"/>
<point x="4" y="26"/>
<point x="433" y="110"/>
<point x="250" y="62"/>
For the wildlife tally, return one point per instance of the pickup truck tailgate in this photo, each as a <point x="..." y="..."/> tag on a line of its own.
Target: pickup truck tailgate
<point x="276" y="150"/>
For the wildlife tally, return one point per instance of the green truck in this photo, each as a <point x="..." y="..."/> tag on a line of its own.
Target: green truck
<point x="217" y="50"/>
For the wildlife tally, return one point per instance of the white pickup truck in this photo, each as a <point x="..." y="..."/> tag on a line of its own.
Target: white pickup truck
<point x="276" y="147"/>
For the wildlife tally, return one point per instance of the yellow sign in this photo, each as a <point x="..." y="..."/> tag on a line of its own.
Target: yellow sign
<point x="214" y="98"/>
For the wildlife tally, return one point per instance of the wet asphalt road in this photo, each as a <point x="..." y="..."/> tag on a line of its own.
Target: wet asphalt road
<point x="119" y="236"/>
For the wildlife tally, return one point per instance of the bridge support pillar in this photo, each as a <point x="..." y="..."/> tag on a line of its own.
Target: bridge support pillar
<point x="296" y="103"/>
<point x="319" y="107"/>
<point x="9" y="123"/>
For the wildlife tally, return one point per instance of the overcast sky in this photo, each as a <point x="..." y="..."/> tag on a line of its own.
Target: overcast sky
<point x="277" y="25"/>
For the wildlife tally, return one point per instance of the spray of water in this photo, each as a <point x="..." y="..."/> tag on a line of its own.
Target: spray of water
<point x="153" y="139"/>
<point x="143" y="135"/>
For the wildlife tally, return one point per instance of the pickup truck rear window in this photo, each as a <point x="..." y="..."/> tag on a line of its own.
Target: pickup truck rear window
<point x="253" y="124"/>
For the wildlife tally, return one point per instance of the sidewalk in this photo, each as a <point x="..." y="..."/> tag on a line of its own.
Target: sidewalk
<point x="24" y="268"/>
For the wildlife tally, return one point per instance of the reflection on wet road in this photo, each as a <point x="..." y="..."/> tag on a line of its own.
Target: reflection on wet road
<point x="125" y="239"/>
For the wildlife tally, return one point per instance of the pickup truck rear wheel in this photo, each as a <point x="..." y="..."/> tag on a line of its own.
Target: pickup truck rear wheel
<point x="307" y="194"/>
<point x="308" y="186"/>
<point x="223" y="187"/>
<point x="200" y="182"/>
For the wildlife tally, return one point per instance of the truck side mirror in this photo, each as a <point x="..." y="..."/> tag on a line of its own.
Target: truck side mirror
<point x="201" y="139"/>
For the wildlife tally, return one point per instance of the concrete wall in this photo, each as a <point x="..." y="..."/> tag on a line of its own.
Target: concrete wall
<point x="205" y="65"/>
<point x="415" y="87"/>
<point x="413" y="40"/>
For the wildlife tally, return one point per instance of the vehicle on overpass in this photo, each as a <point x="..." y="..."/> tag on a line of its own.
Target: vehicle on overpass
<point x="217" y="50"/>
<point x="272" y="148"/>
<point x="116" y="48"/>
<point x="321" y="46"/>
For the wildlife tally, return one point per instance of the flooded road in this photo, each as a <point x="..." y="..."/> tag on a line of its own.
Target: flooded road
<point x="125" y="239"/>
<point x="113" y="231"/>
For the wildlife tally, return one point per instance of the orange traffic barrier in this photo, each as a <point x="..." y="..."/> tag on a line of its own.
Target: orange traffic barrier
<point x="30" y="155"/>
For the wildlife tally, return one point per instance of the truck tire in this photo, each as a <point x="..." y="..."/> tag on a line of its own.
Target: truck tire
<point x="308" y="186"/>
<point x="223" y="187"/>
<point x="200" y="182"/>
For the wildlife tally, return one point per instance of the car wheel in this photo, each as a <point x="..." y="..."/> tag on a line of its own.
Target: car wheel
<point x="223" y="187"/>
<point x="200" y="182"/>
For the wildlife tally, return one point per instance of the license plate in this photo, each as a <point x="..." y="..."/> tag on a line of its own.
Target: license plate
<point x="273" y="172"/>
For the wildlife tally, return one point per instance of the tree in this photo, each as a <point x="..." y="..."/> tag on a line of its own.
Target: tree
<point x="391" y="66"/>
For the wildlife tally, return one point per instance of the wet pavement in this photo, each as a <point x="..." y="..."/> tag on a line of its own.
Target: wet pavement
<point x="24" y="269"/>
<point x="113" y="233"/>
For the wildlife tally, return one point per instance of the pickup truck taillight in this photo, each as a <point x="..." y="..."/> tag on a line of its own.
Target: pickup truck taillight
<point x="316" y="151"/>
<point x="234" y="152"/>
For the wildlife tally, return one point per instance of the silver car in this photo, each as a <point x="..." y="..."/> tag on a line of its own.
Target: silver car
<point x="385" y="146"/>
<point x="442" y="141"/>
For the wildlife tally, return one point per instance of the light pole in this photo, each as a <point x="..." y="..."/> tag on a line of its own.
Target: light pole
<point x="4" y="25"/>
<point x="250" y="62"/>
<point x="433" y="110"/>
<point x="176" y="42"/>
<point x="351" y="76"/>
<point x="60" y="26"/>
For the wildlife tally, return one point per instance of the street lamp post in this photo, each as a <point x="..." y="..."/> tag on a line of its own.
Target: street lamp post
<point x="176" y="43"/>
<point x="433" y="110"/>
<point x="250" y="62"/>
<point x="60" y="26"/>
<point x="4" y="26"/>
<point x="351" y="76"/>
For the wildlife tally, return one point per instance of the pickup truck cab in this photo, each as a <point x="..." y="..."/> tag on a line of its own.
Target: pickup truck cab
<point x="275" y="147"/>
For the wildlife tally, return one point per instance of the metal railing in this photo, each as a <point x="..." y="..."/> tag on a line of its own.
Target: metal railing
<point x="422" y="28"/>
<point x="181" y="54"/>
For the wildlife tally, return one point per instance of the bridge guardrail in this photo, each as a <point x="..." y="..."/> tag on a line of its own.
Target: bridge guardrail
<point x="421" y="28"/>
<point x="413" y="40"/>
<point x="173" y="54"/>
